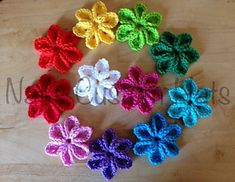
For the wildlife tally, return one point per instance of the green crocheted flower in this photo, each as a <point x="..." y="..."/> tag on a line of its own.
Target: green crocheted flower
<point x="138" y="26"/>
<point x="174" y="53"/>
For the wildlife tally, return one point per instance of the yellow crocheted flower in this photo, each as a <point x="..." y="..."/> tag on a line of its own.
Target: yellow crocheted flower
<point x="96" y="25"/>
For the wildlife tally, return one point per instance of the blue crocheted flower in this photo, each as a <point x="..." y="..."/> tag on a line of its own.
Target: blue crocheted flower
<point x="157" y="139"/>
<point x="189" y="103"/>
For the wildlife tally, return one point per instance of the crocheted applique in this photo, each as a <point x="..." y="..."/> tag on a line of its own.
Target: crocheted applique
<point x="157" y="139"/>
<point x="109" y="154"/>
<point x="139" y="90"/>
<point x="96" y="25"/>
<point x="67" y="141"/>
<point x="48" y="98"/>
<point x="97" y="82"/>
<point x="138" y="26"/>
<point x="58" y="49"/>
<point x="174" y="53"/>
<point x="189" y="103"/>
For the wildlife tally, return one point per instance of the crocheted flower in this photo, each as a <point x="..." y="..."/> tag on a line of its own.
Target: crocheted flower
<point x="189" y="103"/>
<point x="109" y="154"/>
<point x="139" y="90"/>
<point x="58" y="49"/>
<point x="138" y="26"/>
<point x="157" y="139"/>
<point x="174" y="53"/>
<point x="96" y="25"/>
<point x="97" y="82"/>
<point x="49" y="98"/>
<point x="67" y="141"/>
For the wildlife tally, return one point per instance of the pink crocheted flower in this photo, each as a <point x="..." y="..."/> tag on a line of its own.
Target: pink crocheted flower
<point x="67" y="141"/>
<point x="139" y="90"/>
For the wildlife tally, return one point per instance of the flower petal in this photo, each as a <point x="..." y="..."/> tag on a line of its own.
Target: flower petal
<point x="190" y="87"/>
<point x="125" y="86"/>
<point x="85" y="71"/>
<point x="109" y="20"/>
<point x="177" y="111"/>
<point x="110" y="94"/>
<point x="56" y="133"/>
<point x="168" y="39"/>
<point x="45" y="82"/>
<point x="52" y="149"/>
<point x="181" y="66"/>
<point x="80" y="151"/>
<point x="203" y="95"/>
<point x="158" y="121"/>
<point x="135" y="74"/>
<point x="123" y="161"/>
<point x="129" y="102"/>
<point x="102" y="69"/>
<point x="81" y="134"/>
<point x="190" y="119"/>
<point x="124" y="32"/>
<point x="153" y="19"/>
<point x="96" y="96"/>
<point x="171" y="148"/>
<point x="98" y="9"/>
<point x="51" y="113"/>
<point x="150" y="80"/>
<point x="155" y="94"/>
<point x="191" y="55"/>
<point x="161" y="51"/>
<point x="121" y="145"/>
<point x="35" y="109"/>
<point x="203" y="110"/>
<point x="177" y="95"/>
<point x="72" y="54"/>
<point x="45" y="61"/>
<point x="110" y="171"/>
<point x="145" y="104"/>
<point x="157" y="156"/>
<point x="143" y="132"/>
<point x="108" y="136"/>
<point x="165" y="63"/>
<point x="97" y="146"/>
<point x="183" y="42"/>
<point x="126" y="16"/>
<point x="33" y="92"/>
<point x="43" y="45"/>
<point x="98" y="161"/>
<point x="66" y="157"/>
<point x="114" y="76"/>
<point x="143" y="147"/>
<point x="54" y="33"/>
<point x="70" y="123"/>
<point x="137" y="41"/>
<point x="171" y="132"/>
<point x="106" y="35"/>
<point x="68" y="39"/>
<point x="64" y="103"/>
<point x="82" y="88"/>
<point x="82" y="29"/>
<point x="61" y="64"/>
<point x="83" y="15"/>
<point x="140" y="9"/>
<point x="60" y="88"/>
<point x="92" y="40"/>
<point x="151" y="35"/>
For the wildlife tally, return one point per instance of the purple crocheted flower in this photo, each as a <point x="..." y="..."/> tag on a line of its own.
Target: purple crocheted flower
<point x="109" y="154"/>
<point x="67" y="141"/>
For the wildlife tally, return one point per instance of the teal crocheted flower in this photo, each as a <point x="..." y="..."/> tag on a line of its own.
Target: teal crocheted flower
<point x="189" y="103"/>
<point x="174" y="53"/>
<point x="157" y="139"/>
<point x="138" y="26"/>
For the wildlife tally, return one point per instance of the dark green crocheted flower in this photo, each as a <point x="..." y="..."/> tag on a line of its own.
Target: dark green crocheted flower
<point x="138" y="26"/>
<point x="174" y="53"/>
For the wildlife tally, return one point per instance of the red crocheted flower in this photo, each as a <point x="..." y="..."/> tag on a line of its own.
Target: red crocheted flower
<point x="139" y="90"/>
<point x="58" y="49"/>
<point x="49" y="98"/>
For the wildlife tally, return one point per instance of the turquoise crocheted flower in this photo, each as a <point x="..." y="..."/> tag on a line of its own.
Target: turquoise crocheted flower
<point x="174" y="53"/>
<point x="138" y="26"/>
<point x="189" y="103"/>
<point x="157" y="139"/>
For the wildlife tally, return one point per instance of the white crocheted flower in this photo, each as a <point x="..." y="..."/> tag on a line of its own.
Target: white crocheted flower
<point x="97" y="82"/>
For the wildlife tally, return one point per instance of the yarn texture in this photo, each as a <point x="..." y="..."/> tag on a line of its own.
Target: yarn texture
<point x="139" y="90"/>
<point x="58" y="49"/>
<point x="138" y="26"/>
<point x="109" y="154"/>
<point x="97" y="82"/>
<point x="67" y="141"/>
<point x="189" y="103"/>
<point x="174" y="53"/>
<point x="157" y="140"/>
<point x="96" y="25"/>
<point x="48" y="98"/>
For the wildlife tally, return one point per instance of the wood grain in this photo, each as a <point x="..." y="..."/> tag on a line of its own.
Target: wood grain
<point x="207" y="151"/>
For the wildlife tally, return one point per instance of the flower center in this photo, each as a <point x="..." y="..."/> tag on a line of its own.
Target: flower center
<point x="109" y="154"/>
<point x="190" y="102"/>
<point x="47" y="97"/>
<point x="68" y="141"/>
<point x="140" y="89"/>
<point x="56" y="48"/>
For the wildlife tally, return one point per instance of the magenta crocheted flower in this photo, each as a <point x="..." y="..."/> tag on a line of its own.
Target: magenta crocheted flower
<point x="139" y="90"/>
<point x="67" y="141"/>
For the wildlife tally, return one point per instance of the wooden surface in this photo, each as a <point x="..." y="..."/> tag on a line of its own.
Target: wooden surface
<point x="207" y="150"/>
